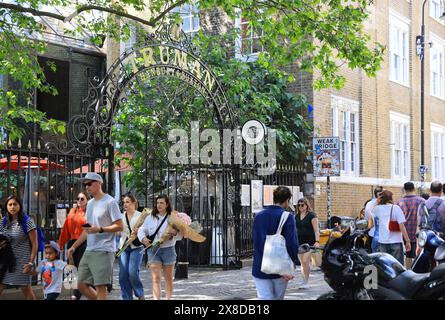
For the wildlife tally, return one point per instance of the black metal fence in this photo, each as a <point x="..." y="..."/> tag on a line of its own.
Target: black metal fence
<point x="47" y="183"/>
<point x="215" y="195"/>
<point x="220" y="197"/>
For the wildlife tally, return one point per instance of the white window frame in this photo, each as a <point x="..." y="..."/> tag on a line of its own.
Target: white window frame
<point x="189" y="12"/>
<point x="399" y="48"/>
<point x="436" y="8"/>
<point x="131" y="41"/>
<point x="349" y="154"/>
<point x="437" y="70"/>
<point x="401" y="166"/>
<point x="239" y="41"/>
<point x="437" y="152"/>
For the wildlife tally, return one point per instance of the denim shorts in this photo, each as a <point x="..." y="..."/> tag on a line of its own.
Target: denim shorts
<point x="165" y="256"/>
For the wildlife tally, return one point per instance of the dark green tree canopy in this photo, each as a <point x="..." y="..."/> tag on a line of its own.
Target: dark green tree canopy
<point x="320" y="35"/>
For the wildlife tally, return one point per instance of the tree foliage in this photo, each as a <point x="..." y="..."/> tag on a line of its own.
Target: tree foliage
<point x="320" y="35"/>
<point x="156" y="106"/>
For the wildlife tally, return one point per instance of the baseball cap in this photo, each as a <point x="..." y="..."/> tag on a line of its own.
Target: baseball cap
<point x="54" y="245"/>
<point x="92" y="176"/>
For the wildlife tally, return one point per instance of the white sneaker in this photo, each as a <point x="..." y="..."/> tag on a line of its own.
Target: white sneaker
<point x="303" y="286"/>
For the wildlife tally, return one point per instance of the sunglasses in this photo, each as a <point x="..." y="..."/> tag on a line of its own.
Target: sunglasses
<point x="88" y="184"/>
<point x="301" y="204"/>
<point x="80" y="199"/>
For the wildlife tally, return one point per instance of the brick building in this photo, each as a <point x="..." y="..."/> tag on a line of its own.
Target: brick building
<point x="377" y="119"/>
<point x="76" y="61"/>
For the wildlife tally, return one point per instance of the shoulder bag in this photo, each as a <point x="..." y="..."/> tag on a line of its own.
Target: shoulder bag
<point x="393" y="225"/>
<point x="276" y="259"/>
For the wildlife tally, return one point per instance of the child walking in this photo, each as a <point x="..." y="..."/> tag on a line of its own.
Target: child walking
<point x="52" y="271"/>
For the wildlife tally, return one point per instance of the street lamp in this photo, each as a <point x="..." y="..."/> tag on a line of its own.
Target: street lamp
<point x="420" y="50"/>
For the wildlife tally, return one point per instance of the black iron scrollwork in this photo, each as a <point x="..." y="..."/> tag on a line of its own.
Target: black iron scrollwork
<point x="91" y="130"/>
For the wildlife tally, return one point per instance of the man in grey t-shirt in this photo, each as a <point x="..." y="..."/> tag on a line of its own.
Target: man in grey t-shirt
<point x="104" y="219"/>
<point x="435" y="200"/>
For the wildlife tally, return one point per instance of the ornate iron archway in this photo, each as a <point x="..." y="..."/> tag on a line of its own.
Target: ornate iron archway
<point x="168" y="51"/>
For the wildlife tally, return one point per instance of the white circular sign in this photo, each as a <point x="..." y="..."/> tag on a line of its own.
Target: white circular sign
<point x="253" y="131"/>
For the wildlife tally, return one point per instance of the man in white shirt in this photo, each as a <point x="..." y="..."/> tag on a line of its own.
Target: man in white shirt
<point x="368" y="209"/>
<point x="104" y="219"/>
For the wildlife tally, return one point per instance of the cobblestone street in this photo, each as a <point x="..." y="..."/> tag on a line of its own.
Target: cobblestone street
<point x="207" y="284"/>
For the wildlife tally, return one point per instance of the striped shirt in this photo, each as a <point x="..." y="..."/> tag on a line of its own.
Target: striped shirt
<point x="21" y="246"/>
<point x="410" y="206"/>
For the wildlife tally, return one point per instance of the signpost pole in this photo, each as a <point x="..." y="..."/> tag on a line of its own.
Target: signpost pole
<point x="328" y="201"/>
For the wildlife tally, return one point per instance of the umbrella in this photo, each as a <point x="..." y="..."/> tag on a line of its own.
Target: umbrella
<point x="28" y="162"/>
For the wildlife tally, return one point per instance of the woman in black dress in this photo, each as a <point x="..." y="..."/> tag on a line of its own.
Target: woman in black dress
<point x="308" y="232"/>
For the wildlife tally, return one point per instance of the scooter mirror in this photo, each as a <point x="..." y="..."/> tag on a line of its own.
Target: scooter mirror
<point x="304" y="248"/>
<point x="361" y="224"/>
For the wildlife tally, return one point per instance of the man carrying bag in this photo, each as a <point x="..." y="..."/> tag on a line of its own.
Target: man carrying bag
<point x="268" y="222"/>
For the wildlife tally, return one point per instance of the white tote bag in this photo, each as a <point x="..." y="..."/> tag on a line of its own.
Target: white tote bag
<point x="276" y="260"/>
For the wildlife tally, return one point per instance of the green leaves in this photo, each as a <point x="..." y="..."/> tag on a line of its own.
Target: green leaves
<point x="317" y="35"/>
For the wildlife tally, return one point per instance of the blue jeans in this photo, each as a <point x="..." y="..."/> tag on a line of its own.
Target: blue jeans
<point x="375" y="245"/>
<point x="270" y="289"/>
<point x="129" y="263"/>
<point x="394" y="249"/>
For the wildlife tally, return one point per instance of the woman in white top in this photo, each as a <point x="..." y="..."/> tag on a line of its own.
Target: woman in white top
<point x="131" y="258"/>
<point x="162" y="258"/>
<point x="390" y="241"/>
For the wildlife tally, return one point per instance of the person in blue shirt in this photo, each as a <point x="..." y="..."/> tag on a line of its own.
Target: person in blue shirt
<point x="273" y="286"/>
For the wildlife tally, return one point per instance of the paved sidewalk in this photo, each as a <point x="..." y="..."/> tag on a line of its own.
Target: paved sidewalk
<point x="210" y="284"/>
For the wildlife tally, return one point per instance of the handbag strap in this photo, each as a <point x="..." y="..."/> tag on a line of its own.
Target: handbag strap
<point x="154" y="234"/>
<point x="390" y="214"/>
<point x="128" y="222"/>
<point x="283" y="219"/>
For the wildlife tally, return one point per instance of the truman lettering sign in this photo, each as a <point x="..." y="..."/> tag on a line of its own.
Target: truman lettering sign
<point x="326" y="156"/>
<point x="171" y="58"/>
<point x="168" y="59"/>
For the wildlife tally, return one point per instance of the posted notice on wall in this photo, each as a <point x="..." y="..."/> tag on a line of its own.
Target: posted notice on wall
<point x="245" y="195"/>
<point x="326" y="156"/>
<point x="295" y="194"/>
<point x="256" y="195"/>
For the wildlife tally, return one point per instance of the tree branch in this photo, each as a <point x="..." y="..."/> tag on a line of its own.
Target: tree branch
<point x="109" y="10"/>
<point x="31" y="10"/>
<point x="151" y="22"/>
<point x="161" y="15"/>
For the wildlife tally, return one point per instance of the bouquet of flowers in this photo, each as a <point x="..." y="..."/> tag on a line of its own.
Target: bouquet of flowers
<point x="180" y="222"/>
<point x="138" y="223"/>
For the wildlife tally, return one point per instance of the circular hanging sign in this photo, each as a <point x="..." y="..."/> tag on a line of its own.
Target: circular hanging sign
<point x="253" y="131"/>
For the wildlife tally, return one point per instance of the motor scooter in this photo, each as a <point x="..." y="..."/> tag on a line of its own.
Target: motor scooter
<point x="348" y="267"/>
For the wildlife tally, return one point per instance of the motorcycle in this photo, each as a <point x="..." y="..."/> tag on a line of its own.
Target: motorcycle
<point x="353" y="274"/>
<point x="432" y="248"/>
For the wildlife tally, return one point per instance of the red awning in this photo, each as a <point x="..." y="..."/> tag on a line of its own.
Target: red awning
<point x="25" y="163"/>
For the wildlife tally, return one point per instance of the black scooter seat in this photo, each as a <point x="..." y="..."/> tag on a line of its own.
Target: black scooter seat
<point x="408" y="282"/>
<point x="438" y="272"/>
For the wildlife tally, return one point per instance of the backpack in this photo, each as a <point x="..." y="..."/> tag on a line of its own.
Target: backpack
<point x="434" y="218"/>
<point x="40" y="235"/>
